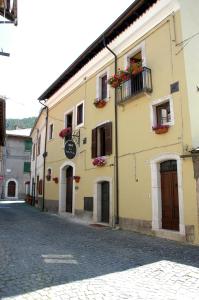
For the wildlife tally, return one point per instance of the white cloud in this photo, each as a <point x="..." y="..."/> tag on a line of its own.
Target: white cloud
<point x="50" y="35"/>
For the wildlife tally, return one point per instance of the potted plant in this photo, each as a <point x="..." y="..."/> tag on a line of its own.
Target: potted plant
<point x="99" y="161"/>
<point x="55" y="179"/>
<point x="99" y="103"/>
<point x="135" y="67"/>
<point x="116" y="79"/>
<point x="66" y="132"/>
<point x="76" y="178"/>
<point x="159" y="129"/>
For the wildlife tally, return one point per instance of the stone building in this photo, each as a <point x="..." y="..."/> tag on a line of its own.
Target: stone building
<point x="16" y="159"/>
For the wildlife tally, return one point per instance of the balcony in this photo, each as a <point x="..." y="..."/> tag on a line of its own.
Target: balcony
<point x="135" y="86"/>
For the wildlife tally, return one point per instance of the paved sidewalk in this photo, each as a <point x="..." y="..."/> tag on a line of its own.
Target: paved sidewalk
<point x="43" y="256"/>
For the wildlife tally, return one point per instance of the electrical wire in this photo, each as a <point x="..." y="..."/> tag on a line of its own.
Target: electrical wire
<point x="185" y="42"/>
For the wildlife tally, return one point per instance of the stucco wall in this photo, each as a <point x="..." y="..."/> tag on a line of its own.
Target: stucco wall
<point x="138" y="144"/>
<point x="189" y="45"/>
<point x="15" y="156"/>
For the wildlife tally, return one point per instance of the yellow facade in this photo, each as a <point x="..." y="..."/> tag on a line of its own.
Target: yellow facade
<point x="140" y="150"/>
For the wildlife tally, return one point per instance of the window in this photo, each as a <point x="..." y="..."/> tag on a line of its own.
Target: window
<point x="33" y="152"/>
<point x="39" y="145"/>
<point x="163" y="115"/>
<point x="88" y="203"/>
<point x="80" y="114"/>
<point x="102" y="140"/>
<point x="68" y="124"/>
<point x="104" y="87"/>
<point x="26" y="167"/>
<point x="69" y="120"/>
<point x="28" y="145"/>
<point x="162" y="112"/>
<point x="49" y="174"/>
<point x="50" y="135"/>
<point x="40" y="187"/>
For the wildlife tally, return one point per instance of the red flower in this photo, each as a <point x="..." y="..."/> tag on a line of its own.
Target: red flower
<point x="65" y="132"/>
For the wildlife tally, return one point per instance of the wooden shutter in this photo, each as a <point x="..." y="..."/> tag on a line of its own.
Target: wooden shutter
<point x="94" y="143"/>
<point x="108" y="138"/>
<point x="28" y="145"/>
<point x="26" y="167"/>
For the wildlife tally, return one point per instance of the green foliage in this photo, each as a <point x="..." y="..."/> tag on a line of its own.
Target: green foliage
<point x="21" y="123"/>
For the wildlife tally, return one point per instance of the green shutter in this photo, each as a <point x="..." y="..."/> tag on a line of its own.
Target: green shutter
<point x="26" y="167"/>
<point x="28" y="145"/>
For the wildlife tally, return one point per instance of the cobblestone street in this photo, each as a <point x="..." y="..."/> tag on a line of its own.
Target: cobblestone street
<point x="44" y="256"/>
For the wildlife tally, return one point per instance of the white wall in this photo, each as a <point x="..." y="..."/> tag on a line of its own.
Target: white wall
<point x="190" y="26"/>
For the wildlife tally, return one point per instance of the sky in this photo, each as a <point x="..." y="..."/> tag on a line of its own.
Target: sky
<point x="50" y="35"/>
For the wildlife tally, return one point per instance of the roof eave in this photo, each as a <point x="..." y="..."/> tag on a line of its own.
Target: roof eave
<point x="129" y="16"/>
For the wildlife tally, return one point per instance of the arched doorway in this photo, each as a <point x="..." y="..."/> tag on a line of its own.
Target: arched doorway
<point x="69" y="189"/>
<point x="11" y="192"/>
<point x="169" y="195"/>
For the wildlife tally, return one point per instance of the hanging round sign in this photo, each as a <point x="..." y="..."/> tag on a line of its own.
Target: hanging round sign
<point x="70" y="149"/>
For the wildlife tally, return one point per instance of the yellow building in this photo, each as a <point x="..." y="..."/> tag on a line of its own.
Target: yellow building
<point x="126" y="156"/>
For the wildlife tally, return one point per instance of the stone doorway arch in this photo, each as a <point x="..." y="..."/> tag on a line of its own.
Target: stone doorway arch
<point x="11" y="188"/>
<point x="67" y="171"/>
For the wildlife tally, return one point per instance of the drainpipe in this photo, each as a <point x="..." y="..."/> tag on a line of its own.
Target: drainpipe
<point x="35" y="174"/>
<point x="44" y="154"/>
<point x="116" y="143"/>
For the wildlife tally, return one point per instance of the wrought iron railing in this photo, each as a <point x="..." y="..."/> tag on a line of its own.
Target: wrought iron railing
<point x="136" y="84"/>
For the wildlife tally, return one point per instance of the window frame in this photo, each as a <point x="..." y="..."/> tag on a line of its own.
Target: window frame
<point x="50" y="132"/>
<point x="76" y="114"/>
<point x="96" y="147"/>
<point x="33" y="151"/>
<point x="139" y="48"/>
<point x="25" y="163"/>
<point x="157" y="103"/>
<point x="39" y="145"/>
<point x="68" y="112"/>
<point x="99" y="84"/>
<point x="26" y="142"/>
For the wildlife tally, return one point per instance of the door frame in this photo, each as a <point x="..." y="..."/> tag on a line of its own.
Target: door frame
<point x="62" y="187"/>
<point x="156" y="191"/>
<point x="16" y="191"/>
<point x="97" y="200"/>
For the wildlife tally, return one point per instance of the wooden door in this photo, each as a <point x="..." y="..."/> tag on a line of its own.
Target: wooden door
<point x="105" y="202"/>
<point x="11" y="189"/>
<point x="169" y="193"/>
<point x="69" y="189"/>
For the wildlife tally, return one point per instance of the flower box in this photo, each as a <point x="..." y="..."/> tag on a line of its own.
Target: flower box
<point x="56" y="179"/>
<point x="76" y="178"/>
<point x="99" y="103"/>
<point x="161" y="129"/>
<point x="116" y="79"/>
<point x="99" y="161"/>
<point x="66" y="132"/>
